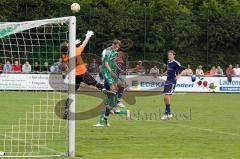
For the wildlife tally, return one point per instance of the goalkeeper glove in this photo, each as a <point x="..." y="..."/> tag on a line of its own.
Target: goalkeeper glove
<point x="89" y="34"/>
<point x="77" y="41"/>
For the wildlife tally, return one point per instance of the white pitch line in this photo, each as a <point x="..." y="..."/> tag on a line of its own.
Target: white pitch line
<point x="46" y="148"/>
<point x="202" y="129"/>
<point x="208" y="130"/>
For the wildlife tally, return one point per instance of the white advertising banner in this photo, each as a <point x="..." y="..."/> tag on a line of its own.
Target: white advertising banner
<point x="134" y="82"/>
<point x="31" y="82"/>
<point x="184" y="84"/>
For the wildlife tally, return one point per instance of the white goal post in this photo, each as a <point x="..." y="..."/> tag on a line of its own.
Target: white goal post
<point x="71" y="122"/>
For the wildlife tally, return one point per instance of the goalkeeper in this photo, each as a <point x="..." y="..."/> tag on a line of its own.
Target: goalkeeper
<point x="81" y="71"/>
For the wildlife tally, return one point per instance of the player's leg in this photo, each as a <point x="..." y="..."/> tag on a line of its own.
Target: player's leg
<point x="110" y="100"/>
<point x="166" y="99"/>
<point x="90" y="80"/>
<point x="101" y="118"/>
<point x="120" y="109"/>
<point x="78" y="80"/>
<point x="102" y="114"/>
<point x="168" y="90"/>
<point x="120" y="92"/>
<point x="121" y="85"/>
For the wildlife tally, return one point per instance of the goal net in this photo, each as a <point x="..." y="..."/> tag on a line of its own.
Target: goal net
<point x="31" y="125"/>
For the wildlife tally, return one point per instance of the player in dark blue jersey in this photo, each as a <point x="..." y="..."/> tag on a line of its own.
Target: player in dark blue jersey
<point x="174" y="72"/>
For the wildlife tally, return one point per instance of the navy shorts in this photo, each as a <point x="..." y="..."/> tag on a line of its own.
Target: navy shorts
<point x="169" y="88"/>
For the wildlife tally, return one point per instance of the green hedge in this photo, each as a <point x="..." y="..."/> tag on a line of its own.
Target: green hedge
<point x="200" y="31"/>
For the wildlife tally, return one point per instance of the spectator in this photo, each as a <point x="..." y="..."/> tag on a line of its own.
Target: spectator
<point x="16" y="68"/>
<point x="36" y="67"/>
<point x="93" y="67"/>
<point x="199" y="71"/>
<point x="45" y="68"/>
<point x="154" y="71"/>
<point x="26" y="68"/>
<point x="236" y="70"/>
<point x="7" y="68"/>
<point x="139" y="69"/>
<point x="60" y="65"/>
<point x="1" y="68"/>
<point x="57" y="66"/>
<point x="54" y="68"/>
<point x="229" y="73"/>
<point x="213" y="71"/>
<point x="219" y="71"/>
<point x="163" y="69"/>
<point x="121" y="65"/>
<point x="188" y="71"/>
<point x="63" y="67"/>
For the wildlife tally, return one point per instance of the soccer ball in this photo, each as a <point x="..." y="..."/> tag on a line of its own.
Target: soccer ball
<point x="75" y="7"/>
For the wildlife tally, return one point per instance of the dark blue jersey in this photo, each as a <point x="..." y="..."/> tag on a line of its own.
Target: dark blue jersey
<point x="173" y="69"/>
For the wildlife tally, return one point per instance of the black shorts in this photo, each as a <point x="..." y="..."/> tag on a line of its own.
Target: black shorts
<point x="169" y="88"/>
<point x="85" y="78"/>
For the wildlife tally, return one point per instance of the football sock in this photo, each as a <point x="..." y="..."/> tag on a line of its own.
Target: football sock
<point x="120" y="111"/>
<point x="101" y="117"/>
<point x="99" y="86"/>
<point x="167" y="110"/>
<point x="107" y="113"/>
<point x="120" y="92"/>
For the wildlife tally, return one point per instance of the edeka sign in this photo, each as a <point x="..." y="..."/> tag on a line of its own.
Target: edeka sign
<point x="152" y="84"/>
<point x="134" y="82"/>
<point x="144" y="83"/>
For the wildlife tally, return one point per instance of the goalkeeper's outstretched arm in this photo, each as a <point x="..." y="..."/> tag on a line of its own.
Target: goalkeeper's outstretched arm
<point x="87" y="38"/>
<point x="80" y="48"/>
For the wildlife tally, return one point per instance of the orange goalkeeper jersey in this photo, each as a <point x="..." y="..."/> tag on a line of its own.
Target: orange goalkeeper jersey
<point x="80" y="65"/>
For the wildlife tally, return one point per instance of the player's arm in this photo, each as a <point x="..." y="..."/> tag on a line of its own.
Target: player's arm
<point x="109" y="69"/>
<point x="105" y="61"/>
<point x="181" y="70"/>
<point x="80" y="49"/>
<point x="120" y="70"/>
<point x="181" y="74"/>
<point x="164" y="74"/>
<point x="87" y="38"/>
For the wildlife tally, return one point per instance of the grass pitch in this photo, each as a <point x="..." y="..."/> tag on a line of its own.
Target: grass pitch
<point x="206" y="126"/>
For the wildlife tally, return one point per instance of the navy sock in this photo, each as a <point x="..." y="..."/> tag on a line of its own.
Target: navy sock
<point x="167" y="110"/>
<point x="107" y="112"/>
<point x="120" y="92"/>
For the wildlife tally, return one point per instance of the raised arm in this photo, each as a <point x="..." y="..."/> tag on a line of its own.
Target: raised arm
<point x="80" y="48"/>
<point x="87" y="38"/>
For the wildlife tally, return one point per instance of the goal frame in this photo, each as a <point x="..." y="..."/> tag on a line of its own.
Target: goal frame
<point x="17" y="27"/>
